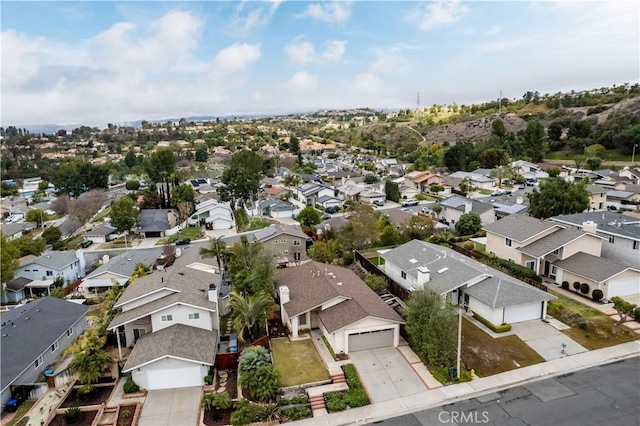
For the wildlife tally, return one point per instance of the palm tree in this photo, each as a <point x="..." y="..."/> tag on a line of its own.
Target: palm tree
<point x="500" y="173"/>
<point x="218" y="249"/>
<point x="244" y="253"/>
<point x="248" y="313"/>
<point x="88" y="366"/>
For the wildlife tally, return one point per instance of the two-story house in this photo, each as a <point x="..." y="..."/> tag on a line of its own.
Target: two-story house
<point x="538" y="244"/>
<point x="454" y="207"/>
<point x="171" y="318"/>
<point x="309" y="193"/>
<point x="621" y="233"/>
<point x="286" y="243"/>
<point x="597" y="197"/>
<point x="212" y="214"/>
<point x="68" y="265"/>
<point x="463" y="281"/>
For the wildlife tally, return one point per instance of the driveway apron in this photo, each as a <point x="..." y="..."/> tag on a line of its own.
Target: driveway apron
<point x="386" y="374"/>
<point x="171" y="407"/>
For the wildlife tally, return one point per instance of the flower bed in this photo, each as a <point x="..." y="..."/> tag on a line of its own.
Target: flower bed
<point x="86" y="418"/>
<point x="98" y="395"/>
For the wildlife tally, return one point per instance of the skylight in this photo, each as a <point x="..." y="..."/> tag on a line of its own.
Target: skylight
<point x="413" y="260"/>
<point x="445" y="269"/>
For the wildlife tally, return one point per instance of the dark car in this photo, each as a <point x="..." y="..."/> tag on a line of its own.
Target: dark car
<point x="325" y="217"/>
<point x="409" y="203"/>
<point x="332" y="209"/>
<point x="183" y="242"/>
<point x="86" y="244"/>
<point x="13" y="404"/>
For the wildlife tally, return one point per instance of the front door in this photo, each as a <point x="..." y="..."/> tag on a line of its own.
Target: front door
<point x="547" y="265"/>
<point x="138" y="332"/>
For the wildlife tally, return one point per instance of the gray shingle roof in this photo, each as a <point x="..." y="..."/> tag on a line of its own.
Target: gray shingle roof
<point x="48" y="319"/>
<point x="17" y="283"/>
<point x="312" y="284"/>
<point x="101" y="230"/>
<point x="180" y="341"/>
<point x="56" y="259"/>
<point x="154" y="220"/>
<point x="595" y="189"/>
<point x="553" y="242"/>
<point x="519" y="228"/>
<point x="593" y="267"/>
<point x="458" y="203"/>
<point x="607" y="223"/>
<point x="497" y="293"/>
<point x="125" y="263"/>
<point x="10" y="229"/>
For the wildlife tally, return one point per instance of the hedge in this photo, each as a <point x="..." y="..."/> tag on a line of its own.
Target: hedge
<point x="356" y="396"/>
<point x="495" y="328"/>
<point x="597" y="295"/>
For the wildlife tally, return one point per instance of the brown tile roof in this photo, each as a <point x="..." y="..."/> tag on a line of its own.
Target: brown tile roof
<point x="424" y="177"/>
<point x="312" y="284"/>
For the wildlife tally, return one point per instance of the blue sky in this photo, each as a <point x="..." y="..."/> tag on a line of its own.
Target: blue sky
<point x="97" y="62"/>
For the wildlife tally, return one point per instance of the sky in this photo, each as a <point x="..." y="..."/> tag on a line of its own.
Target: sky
<point x="98" y="62"/>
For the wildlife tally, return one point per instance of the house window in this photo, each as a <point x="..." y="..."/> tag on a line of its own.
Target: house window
<point x="27" y="270"/>
<point x="554" y="270"/>
<point x="612" y="239"/>
<point x="404" y="275"/>
<point x="194" y="316"/>
<point x="302" y="319"/>
<point x="507" y="242"/>
<point x="49" y="273"/>
<point x="35" y="270"/>
<point x="70" y="332"/>
<point x="531" y="264"/>
<point x="54" y="347"/>
<point x="296" y="242"/>
<point x="274" y="242"/>
<point x="636" y="245"/>
<point x="38" y="361"/>
<point x="166" y="318"/>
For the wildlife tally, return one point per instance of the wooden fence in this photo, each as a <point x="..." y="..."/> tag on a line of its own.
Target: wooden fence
<point x="229" y="360"/>
<point x="394" y="288"/>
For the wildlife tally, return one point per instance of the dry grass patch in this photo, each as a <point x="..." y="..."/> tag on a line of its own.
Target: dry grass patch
<point x="488" y="356"/>
<point x="297" y="362"/>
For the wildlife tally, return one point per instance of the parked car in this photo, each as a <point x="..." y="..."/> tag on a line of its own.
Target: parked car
<point x="497" y="192"/>
<point x="378" y="203"/>
<point x="425" y="210"/>
<point x="522" y="186"/>
<point x="86" y="244"/>
<point x="13" y="404"/>
<point x="183" y="242"/>
<point x="325" y="216"/>
<point x="332" y="209"/>
<point x="409" y="203"/>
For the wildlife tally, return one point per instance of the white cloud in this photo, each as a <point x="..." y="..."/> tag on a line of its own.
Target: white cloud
<point x="439" y="14"/>
<point x="493" y="30"/>
<point x="391" y="59"/>
<point x="302" y="52"/>
<point x="252" y="14"/>
<point x="368" y="83"/>
<point x="331" y="12"/>
<point x="303" y="82"/>
<point x="237" y="57"/>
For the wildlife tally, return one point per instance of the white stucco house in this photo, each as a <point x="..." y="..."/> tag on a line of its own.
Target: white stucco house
<point x="335" y="300"/>
<point x="213" y="214"/>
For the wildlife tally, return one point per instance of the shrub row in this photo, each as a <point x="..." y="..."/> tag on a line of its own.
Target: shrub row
<point x="495" y="328"/>
<point x="130" y="386"/>
<point x="297" y="413"/>
<point x="302" y="399"/>
<point x="356" y="396"/>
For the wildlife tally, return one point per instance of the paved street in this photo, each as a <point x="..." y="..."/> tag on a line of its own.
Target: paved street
<point x="606" y="395"/>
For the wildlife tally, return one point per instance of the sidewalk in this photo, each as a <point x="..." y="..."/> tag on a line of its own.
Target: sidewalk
<point x="447" y="394"/>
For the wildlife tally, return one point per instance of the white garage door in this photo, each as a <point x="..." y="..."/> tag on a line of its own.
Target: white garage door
<point x="175" y="378"/>
<point x="623" y="287"/>
<point x="519" y="313"/>
<point x="371" y="340"/>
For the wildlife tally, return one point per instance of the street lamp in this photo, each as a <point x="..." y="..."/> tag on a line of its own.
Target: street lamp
<point x="633" y="156"/>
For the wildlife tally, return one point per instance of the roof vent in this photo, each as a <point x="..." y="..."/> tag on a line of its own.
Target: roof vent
<point x="339" y="283"/>
<point x="27" y="318"/>
<point x="412" y="260"/>
<point x="445" y="269"/>
<point x="5" y="335"/>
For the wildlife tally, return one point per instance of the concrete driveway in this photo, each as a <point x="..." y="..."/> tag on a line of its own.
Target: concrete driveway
<point x="386" y="374"/>
<point x="546" y="339"/>
<point x="171" y="407"/>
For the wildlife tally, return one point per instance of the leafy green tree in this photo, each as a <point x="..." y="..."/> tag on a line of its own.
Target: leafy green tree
<point x="390" y="236"/>
<point x="258" y="279"/>
<point x="242" y="255"/>
<point x="498" y="129"/>
<point x="294" y="145"/>
<point x="36" y="216"/>
<point x="500" y="173"/>
<point x="580" y="129"/>
<point x="376" y="282"/>
<point x="553" y="172"/>
<point x="132" y="185"/>
<point x="242" y="177"/>
<point x="140" y="270"/>
<point x="9" y="255"/>
<point x="534" y="140"/>
<point x="89" y="365"/>
<point x="469" y="224"/>
<point x="253" y="358"/>
<point x="324" y="251"/>
<point x="262" y="383"/>
<point x="432" y="326"/>
<point x="624" y="308"/>
<point x="557" y="196"/>
<point x="392" y="191"/>
<point x="437" y="209"/>
<point x="593" y="162"/>
<point x="418" y="228"/>
<point x="218" y="249"/>
<point x="131" y="160"/>
<point x="361" y="231"/>
<point x="212" y="402"/>
<point x="459" y="157"/>
<point x="52" y="234"/>
<point x="57" y="292"/>
<point x="76" y="177"/>
<point x="124" y="214"/>
<point x="160" y="168"/>
<point x="27" y="246"/>
<point x="202" y="155"/>
<point x="554" y="131"/>
<point x="249" y="313"/>
<point x="308" y="217"/>
<point x="370" y="179"/>
<point x="595" y="150"/>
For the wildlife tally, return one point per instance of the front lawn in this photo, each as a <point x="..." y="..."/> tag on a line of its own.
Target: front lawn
<point x="297" y="362"/>
<point x="258" y="223"/>
<point x="589" y="327"/>
<point x="488" y="356"/>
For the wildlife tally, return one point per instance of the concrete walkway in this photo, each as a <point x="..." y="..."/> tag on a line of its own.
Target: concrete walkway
<point x="476" y="388"/>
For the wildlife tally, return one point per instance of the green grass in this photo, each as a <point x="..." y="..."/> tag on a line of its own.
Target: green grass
<point x="297" y="362"/>
<point x="22" y="410"/>
<point x="488" y="356"/>
<point x="589" y="327"/>
<point x="73" y="243"/>
<point x="485" y="191"/>
<point x="376" y="260"/>
<point x="100" y="216"/>
<point x="258" y="223"/>
<point x="193" y="233"/>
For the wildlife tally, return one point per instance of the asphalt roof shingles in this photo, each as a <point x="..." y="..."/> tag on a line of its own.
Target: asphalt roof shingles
<point x="593" y="267"/>
<point x="520" y="228"/>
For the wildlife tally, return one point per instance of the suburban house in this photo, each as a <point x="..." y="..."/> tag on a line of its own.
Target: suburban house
<point x="622" y="199"/>
<point x="621" y="233"/>
<point x="597" y="197"/>
<point x="349" y="192"/>
<point x="276" y="208"/>
<point x="16" y="230"/>
<point x="328" y="201"/>
<point x="350" y="315"/>
<point x="309" y="193"/>
<point x="213" y="215"/>
<point x="613" y="278"/>
<point x="631" y="173"/>
<point x="286" y="243"/>
<point x="408" y="192"/>
<point x="171" y="318"/>
<point x="497" y="297"/>
<point x="333" y="224"/>
<point x="503" y="209"/>
<point x="476" y="180"/>
<point x="14" y="290"/>
<point x="454" y="207"/>
<point x="369" y="197"/>
<point x="33" y="336"/>
<point x="155" y="222"/>
<point x="528" y="170"/>
<point x="100" y="234"/>
<point x="68" y="265"/>
<point x="538" y="244"/>
<point x="421" y="181"/>
<point x="117" y="270"/>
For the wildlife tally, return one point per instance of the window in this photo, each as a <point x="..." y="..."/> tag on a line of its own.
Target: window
<point x="27" y="270"/>
<point x="166" y="318"/>
<point x="49" y="273"/>
<point x="38" y="361"/>
<point x="404" y="275"/>
<point x="296" y="256"/>
<point x="54" y="347"/>
<point x="507" y="242"/>
<point x="70" y="332"/>
<point x="636" y="245"/>
<point x="296" y="242"/>
<point x="531" y="264"/>
<point x="194" y="316"/>
<point x="274" y="242"/>
<point x="302" y="319"/>
<point x="554" y="270"/>
<point x="612" y="239"/>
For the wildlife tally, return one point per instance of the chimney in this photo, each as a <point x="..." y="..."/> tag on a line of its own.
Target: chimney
<point x="519" y="200"/>
<point x="212" y="294"/>
<point x="284" y="294"/>
<point x="424" y="275"/>
<point x="105" y="259"/>
<point x="589" y="226"/>
<point x="468" y="206"/>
